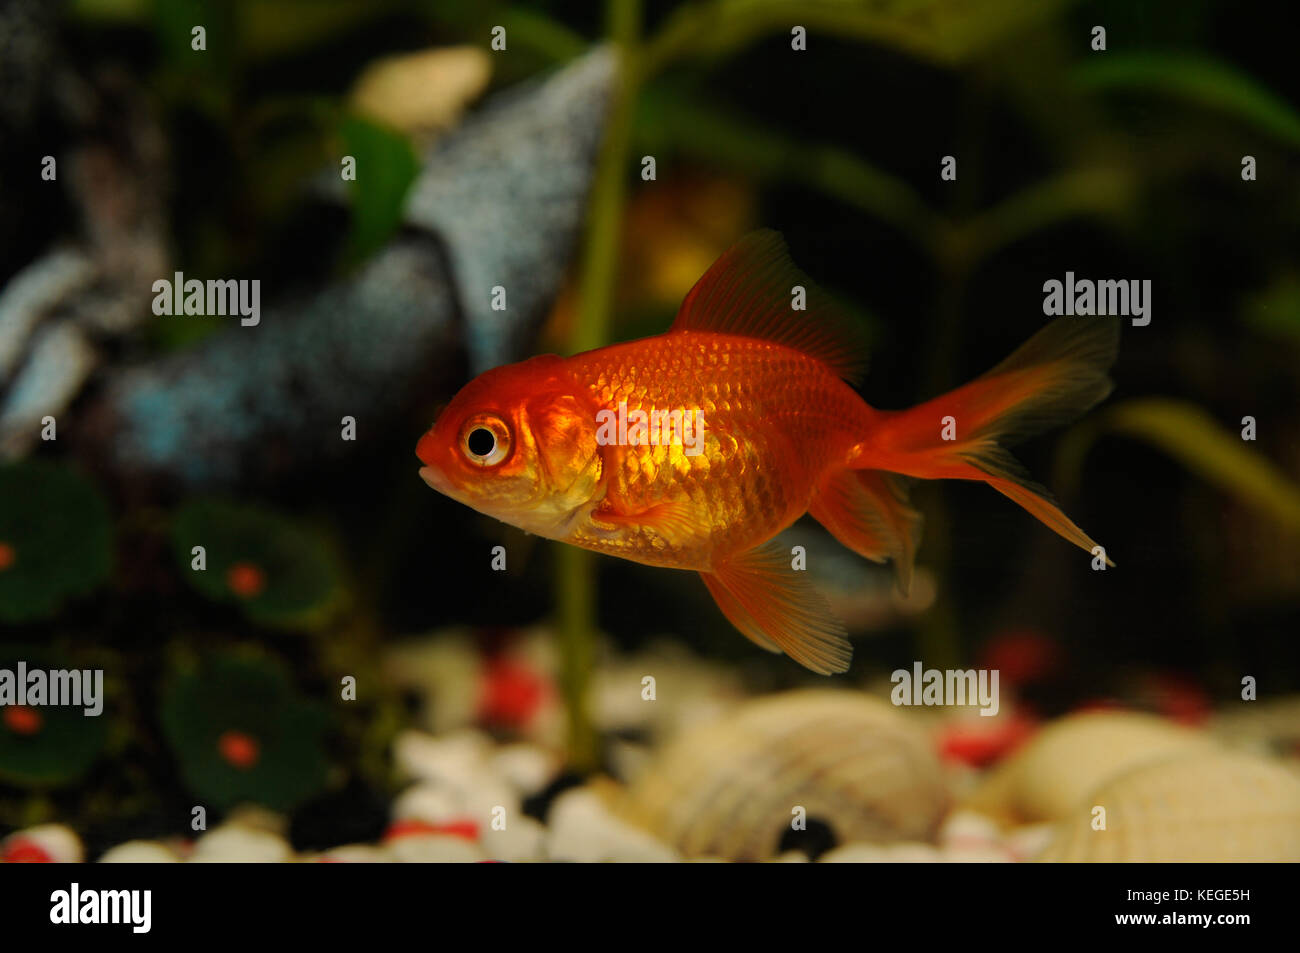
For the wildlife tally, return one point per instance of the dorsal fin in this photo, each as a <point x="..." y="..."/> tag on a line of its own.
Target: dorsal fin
<point x="749" y="292"/>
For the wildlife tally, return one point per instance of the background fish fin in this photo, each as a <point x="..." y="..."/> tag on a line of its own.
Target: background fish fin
<point x="868" y="511"/>
<point x="748" y="292"/>
<point x="773" y="606"/>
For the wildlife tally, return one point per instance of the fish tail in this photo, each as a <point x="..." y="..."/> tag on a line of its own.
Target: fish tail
<point x="1053" y="378"/>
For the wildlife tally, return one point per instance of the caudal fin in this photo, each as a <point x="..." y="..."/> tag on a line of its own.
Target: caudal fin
<point x="1053" y="378"/>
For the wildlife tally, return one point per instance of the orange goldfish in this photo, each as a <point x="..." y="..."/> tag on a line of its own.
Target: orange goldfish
<point x="765" y="428"/>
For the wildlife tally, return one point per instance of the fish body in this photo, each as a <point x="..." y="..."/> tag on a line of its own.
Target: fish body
<point x="694" y="448"/>
<point x="771" y="421"/>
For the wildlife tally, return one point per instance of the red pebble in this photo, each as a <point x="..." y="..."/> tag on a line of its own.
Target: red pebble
<point x="462" y="827"/>
<point x="1021" y="656"/>
<point x="982" y="741"/>
<point x="1180" y="698"/>
<point x="512" y="693"/>
<point x="22" y="850"/>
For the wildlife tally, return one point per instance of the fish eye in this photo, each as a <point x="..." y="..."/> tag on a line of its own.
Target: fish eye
<point x="485" y="440"/>
<point x="481" y="442"/>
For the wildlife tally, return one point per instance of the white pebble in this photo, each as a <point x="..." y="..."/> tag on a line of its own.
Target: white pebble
<point x="527" y="768"/>
<point x="1026" y="843"/>
<point x="454" y="758"/>
<point x="140" y="852"/>
<point x="434" y="849"/>
<point x="969" y="828"/>
<point x="355" y="854"/>
<point x="234" y="843"/>
<point x="582" y="830"/>
<point x="522" y="841"/>
<point x="434" y="803"/>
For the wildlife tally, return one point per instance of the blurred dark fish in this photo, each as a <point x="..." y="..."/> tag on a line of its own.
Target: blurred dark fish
<point x="500" y="201"/>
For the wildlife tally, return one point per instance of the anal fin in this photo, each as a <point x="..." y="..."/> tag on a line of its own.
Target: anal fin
<point x="868" y="511"/>
<point x="774" y="607"/>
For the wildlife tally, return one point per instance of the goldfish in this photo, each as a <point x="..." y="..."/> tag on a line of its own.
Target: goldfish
<point x="778" y="431"/>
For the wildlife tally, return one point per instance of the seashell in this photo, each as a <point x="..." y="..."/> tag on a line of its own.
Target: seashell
<point x="1261" y="725"/>
<point x="1069" y="758"/>
<point x="1216" y="807"/>
<point x="849" y="760"/>
<point x="877" y="854"/>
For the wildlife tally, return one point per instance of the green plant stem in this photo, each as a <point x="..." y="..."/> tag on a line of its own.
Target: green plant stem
<point x="575" y="590"/>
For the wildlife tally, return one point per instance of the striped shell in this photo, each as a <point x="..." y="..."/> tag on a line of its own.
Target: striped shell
<point x="1070" y="757"/>
<point x="1224" y="806"/>
<point x="730" y="789"/>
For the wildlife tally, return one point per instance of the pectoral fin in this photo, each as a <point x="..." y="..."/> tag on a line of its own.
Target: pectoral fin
<point x="773" y="606"/>
<point x="677" y="522"/>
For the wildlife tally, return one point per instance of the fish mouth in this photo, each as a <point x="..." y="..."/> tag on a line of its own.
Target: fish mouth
<point x="435" y="478"/>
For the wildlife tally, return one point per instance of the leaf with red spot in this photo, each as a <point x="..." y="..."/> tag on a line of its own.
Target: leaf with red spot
<point x="52" y="745"/>
<point x="280" y="573"/>
<point x="242" y="733"/>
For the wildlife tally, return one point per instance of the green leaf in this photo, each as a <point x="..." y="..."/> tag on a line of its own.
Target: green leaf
<point x="944" y="31"/>
<point x="1199" y="80"/>
<point x="55" y="539"/>
<point x="1198" y="441"/>
<point x="174" y="22"/>
<point x="122" y="11"/>
<point x="1276" y="309"/>
<point x="670" y="120"/>
<point x="539" y="32"/>
<point x="288" y="27"/>
<point x="1099" y="191"/>
<point x="386" y="167"/>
